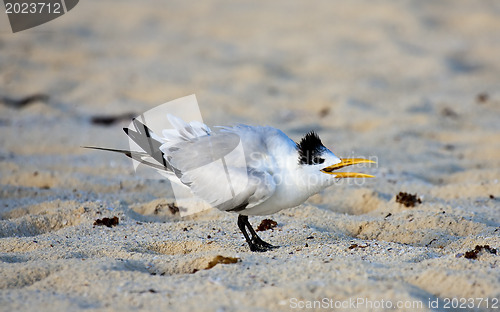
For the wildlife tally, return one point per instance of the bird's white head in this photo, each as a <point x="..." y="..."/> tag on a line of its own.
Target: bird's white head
<point x="318" y="161"/>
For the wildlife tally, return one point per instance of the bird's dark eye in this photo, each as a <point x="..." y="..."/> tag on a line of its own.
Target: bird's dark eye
<point x="318" y="160"/>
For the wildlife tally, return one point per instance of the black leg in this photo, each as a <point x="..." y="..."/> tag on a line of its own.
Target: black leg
<point x="255" y="242"/>
<point x="242" y="221"/>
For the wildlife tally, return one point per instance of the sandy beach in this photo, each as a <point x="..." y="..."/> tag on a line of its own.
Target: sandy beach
<point x="413" y="84"/>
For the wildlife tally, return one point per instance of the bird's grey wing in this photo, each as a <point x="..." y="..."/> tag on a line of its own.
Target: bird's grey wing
<point x="216" y="169"/>
<point x="230" y="188"/>
<point x="200" y="151"/>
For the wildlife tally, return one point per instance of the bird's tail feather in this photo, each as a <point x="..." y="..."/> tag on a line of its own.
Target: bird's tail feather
<point x="138" y="156"/>
<point x="147" y="140"/>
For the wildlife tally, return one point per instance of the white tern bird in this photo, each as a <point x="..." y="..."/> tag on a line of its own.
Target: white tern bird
<point x="269" y="173"/>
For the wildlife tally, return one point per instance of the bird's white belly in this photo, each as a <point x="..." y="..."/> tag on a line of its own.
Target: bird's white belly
<point x="283" y="198"/>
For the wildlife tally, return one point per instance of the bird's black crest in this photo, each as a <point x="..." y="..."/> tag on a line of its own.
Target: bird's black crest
<point x="310" y="149"/>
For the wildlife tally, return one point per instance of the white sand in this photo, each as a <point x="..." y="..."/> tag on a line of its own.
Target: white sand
<point x="396" y="81"/>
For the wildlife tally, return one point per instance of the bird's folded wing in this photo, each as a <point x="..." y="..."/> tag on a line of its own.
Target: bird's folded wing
<point x="217" y="169"/>
<point x="229" y="188"/>
<point x="201" y="151"/>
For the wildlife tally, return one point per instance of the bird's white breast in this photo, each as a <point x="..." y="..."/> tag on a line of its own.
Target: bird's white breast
<point x="279" y="157"/>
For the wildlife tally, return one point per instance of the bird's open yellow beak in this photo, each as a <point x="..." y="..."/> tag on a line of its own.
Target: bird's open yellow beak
<point x="348" y="162"/>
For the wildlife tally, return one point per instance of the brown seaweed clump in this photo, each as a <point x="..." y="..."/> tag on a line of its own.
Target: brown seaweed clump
<point x="109" y="222"/>
<point x="266" y="224"/>
<point x="222" y="260"/>
<point x="472" y="254"/>
<point x="407" y="199"/>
